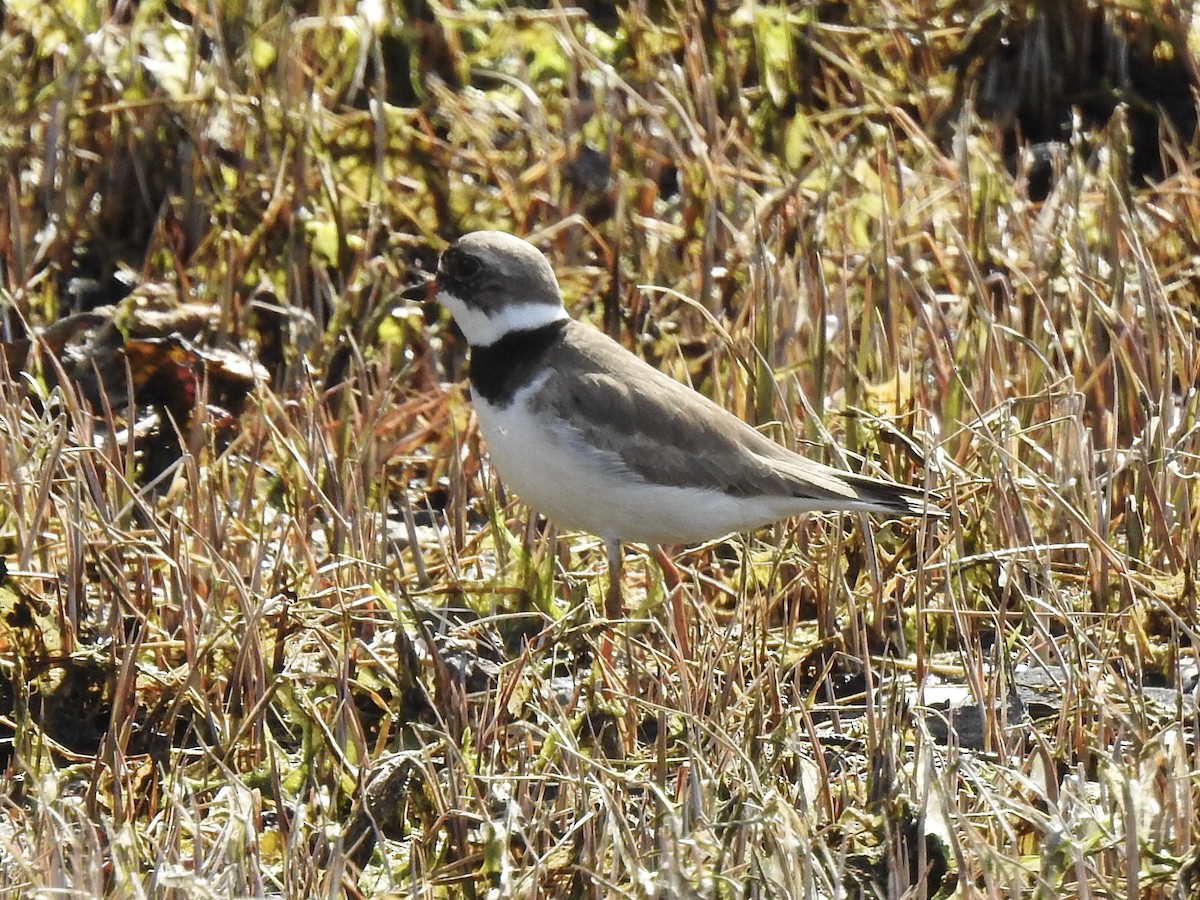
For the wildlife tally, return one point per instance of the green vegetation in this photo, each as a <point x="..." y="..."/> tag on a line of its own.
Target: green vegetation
<point x="270" y="626"/>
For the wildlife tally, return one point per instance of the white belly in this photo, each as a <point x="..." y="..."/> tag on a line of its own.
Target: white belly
<point x="581" y="488"/>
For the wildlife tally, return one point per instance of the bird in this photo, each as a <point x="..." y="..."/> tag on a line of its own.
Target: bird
<point x="600" y="441"/>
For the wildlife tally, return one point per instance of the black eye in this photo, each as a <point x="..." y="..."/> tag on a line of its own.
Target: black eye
<point x="467" y="267"/>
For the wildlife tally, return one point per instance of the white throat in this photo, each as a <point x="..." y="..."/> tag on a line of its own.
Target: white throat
<point x="481" y="329"/>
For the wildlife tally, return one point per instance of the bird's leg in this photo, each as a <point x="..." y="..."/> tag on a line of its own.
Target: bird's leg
<point x="614" y="603"/>
<point x="674" y="585"/>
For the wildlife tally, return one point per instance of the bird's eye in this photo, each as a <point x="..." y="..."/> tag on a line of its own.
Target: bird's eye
<point x="467" y="267"/>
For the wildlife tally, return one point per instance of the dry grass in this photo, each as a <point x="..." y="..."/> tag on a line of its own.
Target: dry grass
<point x="323" y="654"/>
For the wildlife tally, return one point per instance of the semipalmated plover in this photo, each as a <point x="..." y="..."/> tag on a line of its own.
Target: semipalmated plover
<point x="600" y="441"/>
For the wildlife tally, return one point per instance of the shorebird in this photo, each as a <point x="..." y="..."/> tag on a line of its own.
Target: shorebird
<point x="600" y="441"/>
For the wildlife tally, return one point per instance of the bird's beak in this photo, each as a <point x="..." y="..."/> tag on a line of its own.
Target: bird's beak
<point x="421" y="292"/>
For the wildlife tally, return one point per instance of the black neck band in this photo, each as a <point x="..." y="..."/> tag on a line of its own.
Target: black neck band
<point x="501" y="369"/>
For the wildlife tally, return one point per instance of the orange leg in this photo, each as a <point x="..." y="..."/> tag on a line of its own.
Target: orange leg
<point x="614" y="603"/>
<point x="674" y="585"/>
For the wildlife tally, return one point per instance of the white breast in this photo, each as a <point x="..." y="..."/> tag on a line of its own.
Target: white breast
<point x="577" y="486"/>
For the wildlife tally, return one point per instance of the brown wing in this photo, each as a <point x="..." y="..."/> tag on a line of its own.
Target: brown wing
<point x="682" y="438"/>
